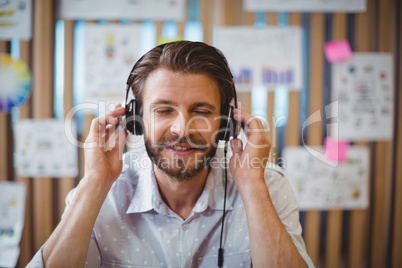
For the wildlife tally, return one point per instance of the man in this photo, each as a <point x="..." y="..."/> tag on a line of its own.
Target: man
<point x="169" y="214"/>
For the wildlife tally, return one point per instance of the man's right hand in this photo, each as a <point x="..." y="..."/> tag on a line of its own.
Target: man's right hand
<point x="101" y="164"/>
<point x="68" y="245"/>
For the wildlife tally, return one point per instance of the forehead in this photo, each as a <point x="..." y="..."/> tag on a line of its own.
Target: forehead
<point x="178" y="87"/>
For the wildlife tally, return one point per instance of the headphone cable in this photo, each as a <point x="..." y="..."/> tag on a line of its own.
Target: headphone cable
<point x="220" y="251"/>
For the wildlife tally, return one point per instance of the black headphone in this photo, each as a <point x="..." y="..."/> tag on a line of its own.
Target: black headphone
<point x="134" y="123"/>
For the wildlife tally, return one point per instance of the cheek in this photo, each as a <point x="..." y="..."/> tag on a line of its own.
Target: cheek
<point x="208" y="129"/>
<point x="154" y="128"/>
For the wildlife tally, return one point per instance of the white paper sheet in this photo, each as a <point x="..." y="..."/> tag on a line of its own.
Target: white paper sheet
<point x="15" y="19"/>
<point x="268" y="56"/>
<point x="111" y="52"/>
<point x="363" y="85"/>
<point x="12" y="212"/>
<point x="43" y="150"/>
<point x="306" y="5"/>
<point x="123" y="9"/>
<point x="319" y="186"/>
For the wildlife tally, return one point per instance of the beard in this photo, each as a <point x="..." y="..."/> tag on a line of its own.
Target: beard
<point x="178" y="167"/>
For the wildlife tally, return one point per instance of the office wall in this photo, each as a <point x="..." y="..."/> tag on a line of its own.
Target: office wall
<point x="335" y="238"/>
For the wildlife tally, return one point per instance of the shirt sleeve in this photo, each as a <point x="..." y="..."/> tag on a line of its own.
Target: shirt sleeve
<point x="93" y="256"/>
<point x="37" y="260"/>
<point x="287" y="208"/>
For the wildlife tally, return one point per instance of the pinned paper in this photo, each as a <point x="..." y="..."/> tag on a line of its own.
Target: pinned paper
<point x="46" y="148"/>
<point x="336" y="150"/>
<point x="15" y="87"/>
<point x="337" y="50"/>
<point x="110" y="50"/>
<point x="320" y="186"/>
<point x="270" y="56"/>
<point x="12" y="212"/>
<point x="363" y="86"/>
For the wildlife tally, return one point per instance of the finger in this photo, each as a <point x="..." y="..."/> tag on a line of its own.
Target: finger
<point x="249" y="120"/>
<point x="119" y="142"/>
<point x="253" y="126"/>
<point x="110" y="130"/>
<point x="236" y="145"/>
<point x="110" y="118"/>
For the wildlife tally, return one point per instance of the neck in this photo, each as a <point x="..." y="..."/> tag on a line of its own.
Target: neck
<point x="181" y="196"/>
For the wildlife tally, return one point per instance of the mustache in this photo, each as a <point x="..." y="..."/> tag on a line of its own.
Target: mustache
<point x="190" y="140"/>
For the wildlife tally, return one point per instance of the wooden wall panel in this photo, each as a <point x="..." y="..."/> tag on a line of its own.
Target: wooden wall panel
<point x="4" y="127"/>
<point x="272" y="20"/>
<point x="315" y="132"/>
<point x="206" y="18"/>
<point x="359" y="219"/>
<point x="397" y="212"/>
<point x="66" y="184"/>
<point x="334" y="219"/>
<point x="26" y="245"/>
<point x="42" y="64"/>
<point x="383" y="152"/>
<point x="293" y="125"/>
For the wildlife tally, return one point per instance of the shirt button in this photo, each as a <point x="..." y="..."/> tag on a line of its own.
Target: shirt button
<point x="185" y="227"/>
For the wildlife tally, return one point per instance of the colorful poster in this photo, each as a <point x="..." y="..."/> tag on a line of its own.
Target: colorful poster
<point x="15" y="19"/>
<point x="15" y="86"/>
<point x="363" y="87"/>
<point x="320" y="186"/>
<point x="43" y="149"/>
<point x="111" y="52"/>
<point x="270" y="56"/>
<point x="158" y="10"/>
<point x="12" y="212"/>
<point x="305" y="5"/>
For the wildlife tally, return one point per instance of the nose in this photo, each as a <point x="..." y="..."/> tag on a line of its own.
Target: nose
<point x="182" y="125"/>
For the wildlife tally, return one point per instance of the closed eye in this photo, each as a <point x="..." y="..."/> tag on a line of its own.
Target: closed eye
<point x="164" y="111"/>
<point x="202" y="112"/>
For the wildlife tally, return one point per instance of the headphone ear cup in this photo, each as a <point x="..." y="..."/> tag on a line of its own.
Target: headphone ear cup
<point x="133" y="120"/>
<point x="228" y="126"/>
<point x="138" y="120"/>
<point x="130" y="116"/>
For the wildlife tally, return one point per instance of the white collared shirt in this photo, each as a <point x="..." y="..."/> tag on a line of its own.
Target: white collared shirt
<point x="135" y="228"/>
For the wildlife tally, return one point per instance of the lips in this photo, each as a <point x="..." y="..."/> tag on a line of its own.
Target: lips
<point x="182" y="149"/>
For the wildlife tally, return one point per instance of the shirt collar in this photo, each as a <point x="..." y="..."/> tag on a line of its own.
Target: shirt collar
<point x="147" y="197"/>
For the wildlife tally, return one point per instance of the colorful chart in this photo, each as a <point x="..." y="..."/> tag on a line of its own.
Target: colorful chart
<point x="244" y="76"/>
<point x="274" y="77"/>
<point x="15" y="86"/>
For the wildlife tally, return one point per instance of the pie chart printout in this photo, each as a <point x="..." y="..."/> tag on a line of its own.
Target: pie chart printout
<point x="15" y="86"/>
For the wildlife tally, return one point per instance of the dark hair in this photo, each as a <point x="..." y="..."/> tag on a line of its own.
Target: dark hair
<point x="188" y="58"/>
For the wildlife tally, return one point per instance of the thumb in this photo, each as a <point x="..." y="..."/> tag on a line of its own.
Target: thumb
<point x="237" y="146"/>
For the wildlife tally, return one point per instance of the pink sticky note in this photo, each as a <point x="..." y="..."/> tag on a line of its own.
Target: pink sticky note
<point x="336" y="150"/>
<point x="337" y="50"/>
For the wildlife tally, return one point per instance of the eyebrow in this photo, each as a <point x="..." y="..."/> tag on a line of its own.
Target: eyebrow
<point x="169" y="102"/>
<point x="204" y="104"/>
<point x="194" y="105"/>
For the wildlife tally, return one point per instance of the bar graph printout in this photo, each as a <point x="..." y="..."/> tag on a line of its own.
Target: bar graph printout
<point x="306" y="5"/>
<point x="271" y="56"/>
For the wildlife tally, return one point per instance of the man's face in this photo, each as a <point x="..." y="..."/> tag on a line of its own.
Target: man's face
<point x="181" y="114"/>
